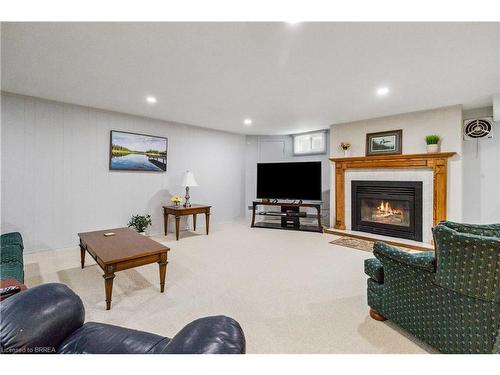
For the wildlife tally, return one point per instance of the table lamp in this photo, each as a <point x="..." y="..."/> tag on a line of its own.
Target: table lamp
<point x="188" y="181"/>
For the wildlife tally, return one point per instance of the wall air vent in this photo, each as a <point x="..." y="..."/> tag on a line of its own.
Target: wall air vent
<point x="477" y="128"/>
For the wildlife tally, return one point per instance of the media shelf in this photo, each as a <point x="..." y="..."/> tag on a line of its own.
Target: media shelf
<point x="290" y="215"/>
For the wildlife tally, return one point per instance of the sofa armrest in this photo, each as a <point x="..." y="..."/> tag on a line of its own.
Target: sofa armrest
<point x="37" y="320"/>
<point x="13" y="238"/>
<point x="210" y="335"/>
<point x="422" y="260"/>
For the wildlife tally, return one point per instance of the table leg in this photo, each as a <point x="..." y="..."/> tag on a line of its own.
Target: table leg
<point x="207" y="220"/>
<point x="109" y="275"/>
<point x="194" y="222"/>
<point x="177" y="224"/>
<point x="253" y="215"/>
<point x="320" y="227"/>
<point x="82" y="255"/>
<point x="163" y="271"/>
<point x="165" y="223"/>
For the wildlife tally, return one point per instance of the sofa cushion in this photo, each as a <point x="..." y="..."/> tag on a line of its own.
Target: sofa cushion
<point x="374" y="269"/>
<point x="11" y="253"/>
<point x="99" y="338"/>
<point x="13" y="238"/>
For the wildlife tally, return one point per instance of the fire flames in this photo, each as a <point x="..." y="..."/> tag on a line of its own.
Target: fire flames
<point x="385" y="210"/>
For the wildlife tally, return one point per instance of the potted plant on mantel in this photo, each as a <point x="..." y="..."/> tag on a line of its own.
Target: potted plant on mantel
<point x="140" y="223"/>
<point x="432" y="143"/>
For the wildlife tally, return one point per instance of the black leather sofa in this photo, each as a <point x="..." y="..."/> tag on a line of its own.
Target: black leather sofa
<point x="49" y="319"/>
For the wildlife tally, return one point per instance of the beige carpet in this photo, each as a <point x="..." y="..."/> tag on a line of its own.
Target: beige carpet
<point x="292" y="292"/>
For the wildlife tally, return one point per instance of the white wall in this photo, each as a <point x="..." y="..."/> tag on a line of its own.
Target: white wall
<point x="262" y="149"/>
<point x="481" y="199"/>
<point x="446" y="122"/>
<point x="56" y="180"/>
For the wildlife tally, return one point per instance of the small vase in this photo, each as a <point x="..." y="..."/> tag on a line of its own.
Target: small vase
<point x="347" y="153"/>
<point x="433" y="149"/>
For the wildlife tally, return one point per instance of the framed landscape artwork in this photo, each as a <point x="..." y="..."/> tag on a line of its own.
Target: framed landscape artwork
<point x="137" y="152"/>
<point x="384" y="143"/>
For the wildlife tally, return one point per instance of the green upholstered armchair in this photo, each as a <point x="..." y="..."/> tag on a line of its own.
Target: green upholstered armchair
<point x="452" y="301"/>
<point x="11" y="257"/>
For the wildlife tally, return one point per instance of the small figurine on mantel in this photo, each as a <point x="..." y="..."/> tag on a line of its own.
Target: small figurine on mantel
<point x="345" y="147"/>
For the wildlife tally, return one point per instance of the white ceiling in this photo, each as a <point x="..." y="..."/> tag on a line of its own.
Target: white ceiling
<point x="286" y="78"/>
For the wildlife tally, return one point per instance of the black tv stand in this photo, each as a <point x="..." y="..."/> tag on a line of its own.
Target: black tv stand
<point x="290" y="216"/>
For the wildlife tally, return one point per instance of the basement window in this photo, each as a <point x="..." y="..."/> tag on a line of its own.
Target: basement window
<point x="309" y="143"/>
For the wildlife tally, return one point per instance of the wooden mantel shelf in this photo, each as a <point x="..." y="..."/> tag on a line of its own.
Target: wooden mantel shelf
<point x="438" y="162"/>
<point x="378" y="158"/>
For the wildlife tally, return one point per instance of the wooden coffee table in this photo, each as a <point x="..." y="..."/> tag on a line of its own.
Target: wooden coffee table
<point x="126" y="249"/>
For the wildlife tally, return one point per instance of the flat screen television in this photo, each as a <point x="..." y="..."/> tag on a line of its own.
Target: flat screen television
<point x="289" y="180"/>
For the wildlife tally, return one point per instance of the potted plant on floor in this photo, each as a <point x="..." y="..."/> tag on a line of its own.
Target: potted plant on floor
<point x="432" y="143"/>
<point x="140" y="223"/>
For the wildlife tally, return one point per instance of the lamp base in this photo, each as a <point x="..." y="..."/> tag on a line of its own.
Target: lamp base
<point x="186" y="203"/>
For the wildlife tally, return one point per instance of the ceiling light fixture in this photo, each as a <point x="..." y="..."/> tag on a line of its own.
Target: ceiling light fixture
<point x="151" y="99"/>
<point x="247" y="121"/>
<point x="382" y="91"/>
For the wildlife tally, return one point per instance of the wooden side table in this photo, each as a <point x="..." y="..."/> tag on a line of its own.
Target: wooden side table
<point x="178" y="211"/>
<point x="11" y="282"/>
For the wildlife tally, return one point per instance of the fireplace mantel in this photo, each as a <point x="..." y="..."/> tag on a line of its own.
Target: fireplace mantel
<point x="438" y="162"/>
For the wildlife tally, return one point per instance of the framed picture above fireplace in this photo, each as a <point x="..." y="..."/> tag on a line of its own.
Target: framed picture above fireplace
<point x="384" y="143"/>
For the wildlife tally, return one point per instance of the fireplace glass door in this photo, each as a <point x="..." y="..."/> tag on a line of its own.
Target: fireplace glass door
<point x="391" y="208"/>
<point x="388" y="211"/>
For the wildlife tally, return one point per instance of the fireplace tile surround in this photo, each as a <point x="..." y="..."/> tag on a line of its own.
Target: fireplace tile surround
<point x="431" y="169"/>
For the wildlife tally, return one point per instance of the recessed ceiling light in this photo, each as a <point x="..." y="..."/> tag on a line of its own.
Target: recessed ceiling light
<point x="247" y="121"/>
<point x="151" y="99"/>
<point x="292" y="22"/>
<point x="382" y="91"/>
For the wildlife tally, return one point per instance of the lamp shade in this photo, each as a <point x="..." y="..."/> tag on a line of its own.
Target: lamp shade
<point x="189" y="180"/>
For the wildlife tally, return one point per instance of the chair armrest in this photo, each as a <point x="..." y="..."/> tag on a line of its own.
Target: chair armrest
<point x="210" y="335"/>
<point x="422" y="260"/>
<point x="375" y="269"/>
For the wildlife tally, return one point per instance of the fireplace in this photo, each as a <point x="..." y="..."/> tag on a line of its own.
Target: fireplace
<point x="390" y="208"/>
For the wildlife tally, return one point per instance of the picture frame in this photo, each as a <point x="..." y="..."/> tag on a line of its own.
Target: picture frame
<point x="384" y="143"/>
<point x="137" y="152"/>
